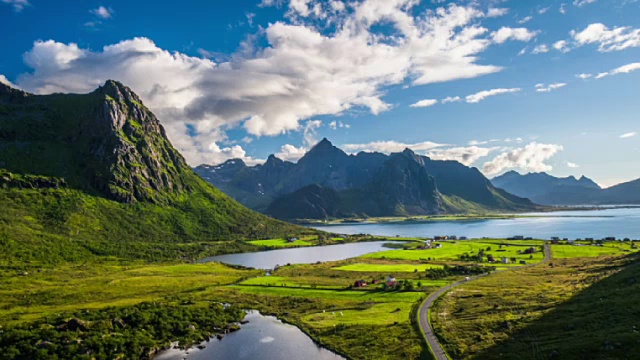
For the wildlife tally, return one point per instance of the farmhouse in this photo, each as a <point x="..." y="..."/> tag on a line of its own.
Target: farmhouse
<point x="359" y="283"/>
<point x="505" y="260"/>
<point x="530" y="250"/>
<point x="391" y="281"/>
<point x="292" y="239"/>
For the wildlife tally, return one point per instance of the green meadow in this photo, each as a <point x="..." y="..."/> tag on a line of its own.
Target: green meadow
<point x="577" y="251"/>
<point x="389" y="268"/>
<point x="280" y="243"/>
<point x="453" y="250"/>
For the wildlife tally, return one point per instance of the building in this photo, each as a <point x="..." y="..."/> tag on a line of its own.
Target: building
<point x="463" y="238"/>
<point x="490" y="258"/>
<point x="391" y="281"/>
<point x="505" y="260"/>
<point x="530" y="250"/>
<point x="359" y="283"/>
<point x="292" y="239"/>
<point x="517" y="237"/>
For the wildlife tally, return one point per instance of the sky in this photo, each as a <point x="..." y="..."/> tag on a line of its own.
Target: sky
<point x="500" y="85"/>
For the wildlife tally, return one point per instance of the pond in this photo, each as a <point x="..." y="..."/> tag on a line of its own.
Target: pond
<point x="264" y="338"/>
<point x="619" y="222"/>
<point x="303" y="255"/>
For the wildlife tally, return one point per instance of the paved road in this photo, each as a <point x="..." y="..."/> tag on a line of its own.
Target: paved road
<point x="425" y="324"/>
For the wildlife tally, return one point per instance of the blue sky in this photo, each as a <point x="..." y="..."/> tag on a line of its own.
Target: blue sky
<point x="531" y="86"/>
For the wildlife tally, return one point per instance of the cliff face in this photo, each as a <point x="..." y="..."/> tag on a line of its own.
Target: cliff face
<point x="106" y="141"/>
<point x="135" y="161"/>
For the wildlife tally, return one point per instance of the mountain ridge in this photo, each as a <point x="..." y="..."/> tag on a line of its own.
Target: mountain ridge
<point x="362" y="184"/>
<point x="546" y="189"/>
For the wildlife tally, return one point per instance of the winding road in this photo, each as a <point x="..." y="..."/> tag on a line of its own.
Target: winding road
<point x="425" y="324"/>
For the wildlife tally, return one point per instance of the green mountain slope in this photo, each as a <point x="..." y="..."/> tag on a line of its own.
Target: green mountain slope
<point x="95" y="175"/>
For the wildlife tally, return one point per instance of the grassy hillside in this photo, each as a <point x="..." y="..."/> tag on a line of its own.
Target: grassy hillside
<point x="84" y="176"/>
<point x="575" y="308"/>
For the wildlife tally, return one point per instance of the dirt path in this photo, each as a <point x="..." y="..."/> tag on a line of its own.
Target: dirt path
<point x="425" y="324"/>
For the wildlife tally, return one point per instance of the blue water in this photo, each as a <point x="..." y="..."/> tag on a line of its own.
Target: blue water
<point x="620" y="223"/>
<point x="303" y="255"/>
<point x="264" y="338"/>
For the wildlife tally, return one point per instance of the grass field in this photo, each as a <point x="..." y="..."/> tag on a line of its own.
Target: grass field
<point x="452" y="250"/>
<point x="575" y="251"/>
<point x="49" y="291"/>
<point x="578" y="308"/>
<point x="389" y="268"/>
<point x="280" y="243"/>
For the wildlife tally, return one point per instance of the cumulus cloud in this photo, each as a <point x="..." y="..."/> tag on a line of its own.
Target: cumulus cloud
<point x="572" y="165"/>
<point x="102" y="12"/>
<point x="627" y="135"/>
<point x="391" y="146"/>
<point x="507" y="33"/>
<point x="291" y="153"/>
<point x="616" y="39"/>
<point x="550" y="87"/>
<point x="424" y="103"/>
<point x="465" y="155"/>
<point x="482" y="95"/>
<point x="584" y="76"/>
<point x="287" y="73"/>
<point x="497" y="12"/>
<point x="532" y="157"/>
<point x="18" y="5"/>
<point x="624" y="69"/>
<point x="562" y="46"/>
<point x="563" y="9"/>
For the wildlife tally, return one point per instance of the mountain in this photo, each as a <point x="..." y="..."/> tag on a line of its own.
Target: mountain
<point x="327" y="182"/>
<point x="545" y="189"/>
<point x="94" y="174"/>
<point x="625" y="193"/>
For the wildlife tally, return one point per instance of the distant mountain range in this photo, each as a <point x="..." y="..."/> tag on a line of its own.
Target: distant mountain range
<point x="543" y="188"/>
<point x="326" y="182"/>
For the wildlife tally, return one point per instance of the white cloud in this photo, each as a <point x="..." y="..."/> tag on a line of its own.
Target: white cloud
<point x="550" y="87"/>
<point x="540" y="49"/>
<point x="102" y="12"/>
<point x="532" y="157"/>
<point x="334" y="125"/>
<point x="562" y="46"/>
<point x="519" y="34"/>
<point x="624" y="69"/>
<point x="18" y="5"/>
<point x="572" y="165"/>
<point x="525" y="20"/>
<point x="291" y="153"/>
<point x="337" y="5"/>
<point x="4" y="80"/>
<point x="581" y="3"/>
<point x="301" y="72"/>
<point x="391" y="146"/>
<point x="497" y="12"/>
<point x="627" y="135"/>
<point x="584" y="76"/>
<point x="563" y="9"/>
<point x="543" y="10"/>
<point x="451" y="99"/>
<point x="463" y="155"/>
<point x="616" y="39"/>
<point x="424" y="103"/>
<point x="479" y="96"/>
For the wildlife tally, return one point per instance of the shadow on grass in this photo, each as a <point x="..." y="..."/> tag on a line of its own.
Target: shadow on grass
<point x="600" y="322"/>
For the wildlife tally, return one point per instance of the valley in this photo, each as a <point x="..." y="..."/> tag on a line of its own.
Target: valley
<point x="118" y="249"/>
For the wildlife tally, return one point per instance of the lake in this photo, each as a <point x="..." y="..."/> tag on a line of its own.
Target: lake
<point x="264" y="337"/>
<point x="302" y="255"/>
<point x="618" y="222"/>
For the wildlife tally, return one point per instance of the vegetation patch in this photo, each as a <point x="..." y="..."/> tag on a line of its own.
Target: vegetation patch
<point x="390" y="268"/>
